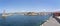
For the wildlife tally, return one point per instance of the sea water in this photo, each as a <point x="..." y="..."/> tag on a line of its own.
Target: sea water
<point x="23" y="20"/>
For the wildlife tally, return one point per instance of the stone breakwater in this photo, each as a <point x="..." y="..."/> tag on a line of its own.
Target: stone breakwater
<point x="51" y="22"/>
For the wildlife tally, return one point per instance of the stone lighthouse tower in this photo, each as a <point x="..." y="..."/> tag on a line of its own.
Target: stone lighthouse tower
<point x="3" y="14"/>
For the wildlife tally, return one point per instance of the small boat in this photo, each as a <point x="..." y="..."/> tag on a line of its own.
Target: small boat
<point x="56" y="15"/>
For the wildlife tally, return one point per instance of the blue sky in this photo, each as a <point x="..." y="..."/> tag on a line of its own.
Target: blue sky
<point x="29" y="5"/>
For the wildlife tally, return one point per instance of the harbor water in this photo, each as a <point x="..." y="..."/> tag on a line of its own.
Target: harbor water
<point x="23" y="20"/>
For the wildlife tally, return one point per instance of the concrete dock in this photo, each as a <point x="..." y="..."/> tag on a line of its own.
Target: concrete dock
<point x="51" y="22"/>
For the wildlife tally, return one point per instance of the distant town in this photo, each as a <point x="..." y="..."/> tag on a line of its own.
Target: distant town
<point x="25" y="13"/>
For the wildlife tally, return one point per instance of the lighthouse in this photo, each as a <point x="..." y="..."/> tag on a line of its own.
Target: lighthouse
<point x="4" y="13"/>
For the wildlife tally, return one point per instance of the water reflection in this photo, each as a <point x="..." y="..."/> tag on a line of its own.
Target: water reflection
<point x="3" y="21"/>
<point x="20" y="20"/>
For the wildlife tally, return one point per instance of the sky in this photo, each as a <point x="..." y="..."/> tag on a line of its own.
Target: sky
<point x="29" y="5"/>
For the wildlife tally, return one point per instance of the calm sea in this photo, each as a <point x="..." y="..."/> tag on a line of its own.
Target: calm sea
<point x="22" y="20"/>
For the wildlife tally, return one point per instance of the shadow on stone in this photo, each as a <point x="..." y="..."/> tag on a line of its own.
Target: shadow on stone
<point x="58" y="20"/>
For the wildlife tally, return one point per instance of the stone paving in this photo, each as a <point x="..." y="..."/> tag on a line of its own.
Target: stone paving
<point x="51" y="22"/>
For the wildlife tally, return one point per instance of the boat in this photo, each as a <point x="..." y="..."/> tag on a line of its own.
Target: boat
<point x="56" y="15"/>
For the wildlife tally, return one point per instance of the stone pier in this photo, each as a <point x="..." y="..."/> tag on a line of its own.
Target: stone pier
<point x="51" y="22"/>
